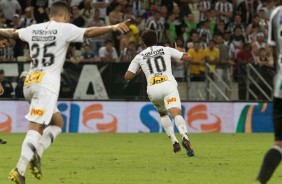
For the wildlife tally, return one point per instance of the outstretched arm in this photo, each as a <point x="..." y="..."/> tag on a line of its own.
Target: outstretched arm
<point x="97" y="31"/>
<point x="130" y="75"/>
<point x="1" y="89"/>
<point x="185" y="57"/>
<point x="9" y="33"/>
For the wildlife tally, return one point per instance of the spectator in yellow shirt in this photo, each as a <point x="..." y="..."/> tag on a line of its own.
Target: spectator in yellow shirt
<point x="212" y="56"/>
<point x="135" y="32"/>
<point x="197" y="61"/>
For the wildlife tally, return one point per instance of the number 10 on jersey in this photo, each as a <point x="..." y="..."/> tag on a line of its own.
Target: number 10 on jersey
<point x="159" y="63"/>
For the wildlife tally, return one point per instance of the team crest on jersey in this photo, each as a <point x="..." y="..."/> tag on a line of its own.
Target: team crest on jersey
<point x="37" y="112"/>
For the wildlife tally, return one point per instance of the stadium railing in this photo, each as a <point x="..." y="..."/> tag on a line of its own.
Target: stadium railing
<point x="238" y="82"/>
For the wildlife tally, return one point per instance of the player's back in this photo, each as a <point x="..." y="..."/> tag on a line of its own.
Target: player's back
<point x="48" y="44"/>
<point x="155" y="62"/>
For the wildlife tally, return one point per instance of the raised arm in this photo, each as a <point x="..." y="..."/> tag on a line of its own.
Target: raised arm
<point x="97" y="31"/>
<point x="9" y="33"/>
<point x="185" y="57"/>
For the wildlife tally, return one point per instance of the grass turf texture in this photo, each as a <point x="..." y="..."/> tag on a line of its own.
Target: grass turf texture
<point x="144" y="158"/>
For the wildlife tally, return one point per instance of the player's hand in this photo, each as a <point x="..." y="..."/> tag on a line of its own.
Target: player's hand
<point x="122" y="27"/>
<point x="1" y="89"/>
<point x="178" y="48"/>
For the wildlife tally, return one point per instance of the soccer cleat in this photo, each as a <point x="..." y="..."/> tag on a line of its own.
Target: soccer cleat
<point x="16" y="177"/>
<point x="35" y="166"/>
<point x="2" y="141"/>
<point x="187" y="145"/>
<point x="176" y="147"/>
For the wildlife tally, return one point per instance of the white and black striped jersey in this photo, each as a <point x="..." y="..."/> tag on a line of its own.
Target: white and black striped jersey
<point x="157" y="26"/>
<point x="275" y="40"/>
<point x="224" y="7"/>
<point x="275" y="33"/>
<point x="206" y="4"/>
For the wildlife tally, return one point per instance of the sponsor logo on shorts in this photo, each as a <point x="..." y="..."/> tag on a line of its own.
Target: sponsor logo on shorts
<point x="171" y="100"/>
<point x="37" y="112"/>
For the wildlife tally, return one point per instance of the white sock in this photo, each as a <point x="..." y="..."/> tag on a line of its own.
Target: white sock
<point x="49" y="135"/>
<point x="181" y="126"/>
<point x="29" y="146"/>
<point x="167" y="125"/>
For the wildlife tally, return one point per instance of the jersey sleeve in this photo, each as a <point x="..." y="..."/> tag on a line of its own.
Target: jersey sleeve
<point x="174" y="53"/>
<point x="74" y="33"/>
<point x="24" y="34"/>
<point x="134" y="65"/>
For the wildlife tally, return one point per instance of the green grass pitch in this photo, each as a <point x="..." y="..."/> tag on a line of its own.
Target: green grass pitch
<point x="144" y="158"/>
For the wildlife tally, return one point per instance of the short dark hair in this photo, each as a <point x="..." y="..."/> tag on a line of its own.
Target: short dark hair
<point x="57" y="7"/>
<point x="2" y="71"/>
<point x="149" y="37"/>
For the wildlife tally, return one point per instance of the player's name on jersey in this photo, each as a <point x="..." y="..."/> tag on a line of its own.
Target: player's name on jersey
<point x="43" y="38"/>
<point x="44" y="32"/>
<point x="154" y="53"/>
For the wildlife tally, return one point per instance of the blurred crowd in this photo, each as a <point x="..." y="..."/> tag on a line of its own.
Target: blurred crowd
<point x="219" y="32"/>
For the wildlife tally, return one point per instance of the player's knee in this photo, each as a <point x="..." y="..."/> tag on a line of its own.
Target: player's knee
<point x="59" y="124"/>
<point x="174" y="111"/>
<point x="163" y="113"/>
<point x="36" y="127"/>
<point x="57" y="120"/>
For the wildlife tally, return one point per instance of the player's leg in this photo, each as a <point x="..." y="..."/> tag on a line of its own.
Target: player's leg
<point x="157" y="99"/>
<point x="29" y="147"/>
<point x="168" y="127"/>
<point x="173" y="104"/>
<point x="50" y="133"/>
<point x="182" y="128"/>
<point x="30" y="143"/>
<point x="274" y="155"/>
<point x="54" y="128"/>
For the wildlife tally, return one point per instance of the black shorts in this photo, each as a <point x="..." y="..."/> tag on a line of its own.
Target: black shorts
<point x="277" y="118"/>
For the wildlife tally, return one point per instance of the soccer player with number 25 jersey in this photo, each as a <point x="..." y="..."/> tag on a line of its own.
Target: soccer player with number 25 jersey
<point x="48" y="44"/>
